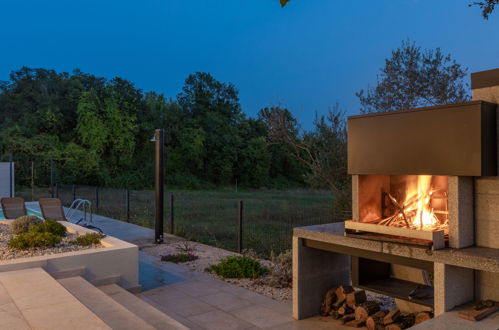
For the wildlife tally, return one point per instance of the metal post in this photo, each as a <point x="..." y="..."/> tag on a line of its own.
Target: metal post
<point x="32" y="180"/>
<point x="97" y="198"/>
<point x="172" y="200"/>
<point x="11" y="186"/>
<point x="240" y="228"/>
<point x="56" y="190"/>
<point x="127" y="205"/>
<point x="159" y="184"/>
<point x="52" y="177"/>
<point x="74" y="192"/>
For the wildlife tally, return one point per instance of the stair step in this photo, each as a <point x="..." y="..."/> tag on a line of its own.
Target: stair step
<point x="33" y="297"/>
<point x="107" y="309"/>
<point x="140" y="308"/>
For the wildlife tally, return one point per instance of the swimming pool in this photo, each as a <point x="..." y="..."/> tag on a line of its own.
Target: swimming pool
<point x="30" y="212"/>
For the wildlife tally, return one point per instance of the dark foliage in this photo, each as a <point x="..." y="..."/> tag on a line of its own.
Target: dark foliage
<point x="98" y="130"/>
<point x="179" y="257"/>
<point x="238" y="267"/>
<point x="414" y="77"/>
<point x="486" y="6"/>
<point x="88" y="239"/>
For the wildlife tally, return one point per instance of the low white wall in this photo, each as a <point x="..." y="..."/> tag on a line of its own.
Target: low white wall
<point x="5" y="179"/>
<point x="117" y="258"/>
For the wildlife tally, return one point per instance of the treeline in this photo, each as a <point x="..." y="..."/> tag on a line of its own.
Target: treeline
<point x="97" y="131"/>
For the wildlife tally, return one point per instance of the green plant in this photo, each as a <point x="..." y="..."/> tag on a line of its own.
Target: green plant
<point x="281" y="271"/>
<point x="33" y="240"/>
<point x="238" y="267"/>
<point x="22" y="224"/>
<point x="88" y="239"/>
<point x="179" y="257"/>
<point x="49" y="226"/>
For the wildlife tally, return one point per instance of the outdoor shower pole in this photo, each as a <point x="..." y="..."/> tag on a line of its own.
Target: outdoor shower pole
<point x="159" y="181"/>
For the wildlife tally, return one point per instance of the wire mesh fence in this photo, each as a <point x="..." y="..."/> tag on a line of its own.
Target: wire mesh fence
<point x="213" y="218"/>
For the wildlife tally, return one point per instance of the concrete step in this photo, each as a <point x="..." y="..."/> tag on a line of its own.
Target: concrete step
<point x="140" y="308"/>
<point x="32" y="299"/>
<point x="107" y="309"/>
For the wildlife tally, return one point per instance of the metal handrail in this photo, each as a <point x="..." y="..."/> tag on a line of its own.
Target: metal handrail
<point x="76" y="205"/>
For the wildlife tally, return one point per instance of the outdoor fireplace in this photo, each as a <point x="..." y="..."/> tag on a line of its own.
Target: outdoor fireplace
<point x="425" y="209"/>
<point x="402" y="163"/>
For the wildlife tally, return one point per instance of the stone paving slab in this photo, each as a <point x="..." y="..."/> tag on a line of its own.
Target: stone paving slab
<point x="42" y="303"/>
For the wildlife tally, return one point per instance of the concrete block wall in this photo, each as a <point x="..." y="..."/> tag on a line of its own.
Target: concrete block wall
<point x="487" y="212"/>
<point x="488" y="285"/>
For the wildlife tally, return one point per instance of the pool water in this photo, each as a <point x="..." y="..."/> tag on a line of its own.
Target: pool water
<point x="30" y="212"/>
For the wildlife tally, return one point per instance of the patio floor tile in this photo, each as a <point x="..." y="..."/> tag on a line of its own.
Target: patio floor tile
<point x="260" y="316"/>
<point x="218" y="320"/>
<point x="226" y="301"/>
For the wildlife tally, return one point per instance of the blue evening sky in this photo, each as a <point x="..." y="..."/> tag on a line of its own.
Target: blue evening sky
<point x="307" y="56"/>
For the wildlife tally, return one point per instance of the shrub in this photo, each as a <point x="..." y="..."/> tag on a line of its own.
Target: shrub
<point x="238" y="267"/>
<point x="22" y="224"/>
<point x="33" y="240"/>
<point x="49" y="226"/>
<point x="88" y="239"/>
<point x="179" y="257"/>
<point x="281" y="272"/>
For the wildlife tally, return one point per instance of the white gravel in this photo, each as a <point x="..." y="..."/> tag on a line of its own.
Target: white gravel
<point x="209" y="255"/>
<point x="7" y="253"/>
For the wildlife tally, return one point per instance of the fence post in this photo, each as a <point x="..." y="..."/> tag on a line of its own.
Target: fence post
<point x="240" y="228"/>
<point x="56" y="190"/>
<point x="96" y="197"/>
<point x="74" y="192"/>
<point x="172" y="214"/>
<point x="127" y="205"/>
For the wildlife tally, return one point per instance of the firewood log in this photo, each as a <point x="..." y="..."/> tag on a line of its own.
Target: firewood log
<point x="356" y="298"/>
<point x="356" y="323"/>
<point x="365" y="309"/>
<point x="423" y="316"/>
<point x="342" y="291"/>
<point x="347" y="318"/>
<point x="334" y="315"/>
<point x="343" y="310"/>
<point x="392" y="316"/>
<point x="329" y="299"/>
<point x="337" y="304"/>
<point x="404" y="322"/>
<point x="375" y="321"/>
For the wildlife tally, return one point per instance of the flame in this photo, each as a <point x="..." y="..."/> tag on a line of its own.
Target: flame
<point x="417" y="205"/>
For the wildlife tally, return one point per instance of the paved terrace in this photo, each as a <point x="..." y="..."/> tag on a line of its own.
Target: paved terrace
<point x="198" y="300"/>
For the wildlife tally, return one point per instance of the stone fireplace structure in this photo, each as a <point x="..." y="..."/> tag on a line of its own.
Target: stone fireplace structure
<point x="425" y="200"/>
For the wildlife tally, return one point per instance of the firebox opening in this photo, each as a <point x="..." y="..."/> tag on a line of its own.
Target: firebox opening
<point x="410" y="201"/>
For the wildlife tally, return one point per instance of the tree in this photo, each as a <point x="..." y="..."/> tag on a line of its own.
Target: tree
<point x="413" y="78"/>
<point x="214" y="107"/>
<point x="322" y="150"/>
<point x="486" y="6"/>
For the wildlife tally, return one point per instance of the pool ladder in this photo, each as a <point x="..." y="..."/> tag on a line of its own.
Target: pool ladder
<point x="80" y="204"/>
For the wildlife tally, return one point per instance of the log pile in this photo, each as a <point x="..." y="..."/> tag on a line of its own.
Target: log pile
<point x="352" y="309"/>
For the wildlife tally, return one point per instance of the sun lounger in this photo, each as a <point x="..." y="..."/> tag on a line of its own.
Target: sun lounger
<point x="52" y="209"/>
<point x="13" y="207"/>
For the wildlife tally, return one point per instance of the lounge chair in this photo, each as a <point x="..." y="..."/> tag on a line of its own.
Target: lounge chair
<point x="52" y="209"/>
<point x="13" y="207"/>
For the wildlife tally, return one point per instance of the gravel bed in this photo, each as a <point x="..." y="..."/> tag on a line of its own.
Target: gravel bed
<point x="7" y="253"/>
<point x="209" y="255"/>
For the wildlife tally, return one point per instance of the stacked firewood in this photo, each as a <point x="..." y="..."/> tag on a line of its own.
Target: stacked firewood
<point x="353" y="309"/>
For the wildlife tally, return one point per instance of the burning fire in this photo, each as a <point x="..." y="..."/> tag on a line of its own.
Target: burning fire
<point x="419" y="201"/>
<point x="417" y="212"/>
